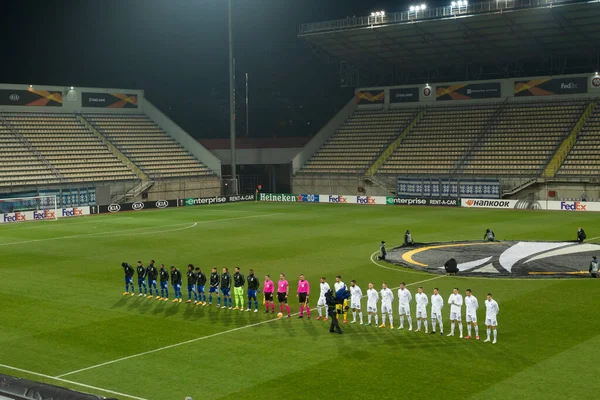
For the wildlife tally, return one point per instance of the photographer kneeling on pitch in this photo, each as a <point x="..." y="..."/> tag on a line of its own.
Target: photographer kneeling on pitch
<point x="451" y="266"/>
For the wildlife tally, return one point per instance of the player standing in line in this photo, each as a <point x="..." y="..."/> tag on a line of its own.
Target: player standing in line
<point x="372" y="299"/>
<point x="356" y="295"/>
<point x="200" y="284"/>
<point x="141" y="271"/>
<point x="404" y="299"/>
<point x="226" y="288"/>
<point x="253" y="285"/>
<point x="456" y="301"/>
<point x="238" y="289"/>
<point x="268" y="289"/>
<point x="322" y="303"/>
<point x="302" y="294"/>
<point x="191" y="277"/>
<point x="176" y="282"/>
<point x="386" y="305"/>
<point x="164" y="283"/>
<point x="472" y="305"/>
<point x="339" y="286"/>
<point x="214" y="287"/>
<point x="422" y="301"/>
<point x="128" y="269"/>
<point x="437" y="303"/>
<point x="152" y="274"/>
<point x="491" y="312"/>
<point x="282" y="294"/>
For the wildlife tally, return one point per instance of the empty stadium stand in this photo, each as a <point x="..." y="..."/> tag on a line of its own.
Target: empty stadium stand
<point x="439" y="140"/>
<point x="523" y="138"/>
<point x="583" y="158"/>
<point x="148" y="146"/>
<point x="68" y="146"/>
<point x="20" y="165"/>
<point x="359" y="141"/>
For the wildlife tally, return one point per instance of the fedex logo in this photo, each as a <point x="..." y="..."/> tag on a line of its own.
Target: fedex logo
<point x="72" y="212"/>
<point x="15" y="217"/>
<point x="337" y="199"/>
<point x="43" y="215"/>
<point x="576" y="206"/>
<point x="365" y="200"/>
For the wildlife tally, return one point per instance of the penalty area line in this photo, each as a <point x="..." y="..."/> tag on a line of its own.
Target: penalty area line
<point x="56" y="378"/>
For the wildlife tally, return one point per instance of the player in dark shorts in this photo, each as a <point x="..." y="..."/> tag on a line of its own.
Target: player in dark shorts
<point x="268" y="288"/>
<point x="282" y="294"/>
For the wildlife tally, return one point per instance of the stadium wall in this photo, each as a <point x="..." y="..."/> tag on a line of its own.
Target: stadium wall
<point x="258" y="156"/>
<point x="529" y="88"/>
<point x="562" y="190"/>
<point x="343" y="184"/>
<point x="324" y="133"/>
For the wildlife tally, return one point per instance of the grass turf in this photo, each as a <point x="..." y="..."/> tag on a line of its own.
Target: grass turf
<point x="63" y="310"/>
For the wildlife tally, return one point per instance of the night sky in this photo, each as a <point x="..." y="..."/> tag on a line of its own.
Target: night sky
<point x="176" y="50"/>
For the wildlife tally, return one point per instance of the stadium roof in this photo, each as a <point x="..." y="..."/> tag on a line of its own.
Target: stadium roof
<point x="491" y="33"/>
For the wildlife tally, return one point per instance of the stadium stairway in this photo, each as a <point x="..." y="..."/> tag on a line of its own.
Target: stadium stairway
<point x="393" y="146"/>
<point x="565" y="147"/>
<point x="145" y="183"/>
<point x="52" y="174"/>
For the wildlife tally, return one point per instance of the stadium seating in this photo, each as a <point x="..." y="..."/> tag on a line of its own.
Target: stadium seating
<point x="439" y="140"/>
<point x="20" y="166"/>
<point x="583" y="158"/>
<point x="148" y="146"/>
<point x="359" y="141"/>
<point x="523" y="138"/>
<point x="75" y="152"/>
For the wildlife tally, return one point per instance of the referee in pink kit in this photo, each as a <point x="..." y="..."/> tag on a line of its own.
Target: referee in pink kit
<point x="302" y="294"/>
<point x="282" y="294"/>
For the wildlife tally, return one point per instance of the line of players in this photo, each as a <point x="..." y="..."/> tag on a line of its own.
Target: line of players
<point x="222" y="285"/>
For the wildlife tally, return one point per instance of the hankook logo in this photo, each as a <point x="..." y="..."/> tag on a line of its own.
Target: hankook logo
<point x="113" y="208"/>
<point x="162" y="204"/>
<point x="137" y="206"/>
<point x="14" y="97"/>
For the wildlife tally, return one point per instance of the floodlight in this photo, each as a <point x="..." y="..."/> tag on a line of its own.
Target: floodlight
<point x="382" y="13"/>
<point x="30" y="86"/>
<point x="72" y="88"/>
<point x="423" y="6"/>
<point x="453" y="4"/>
<point x="411" y="9"/>
<point x="460" y="3"/>
<point x="372" y="14"/>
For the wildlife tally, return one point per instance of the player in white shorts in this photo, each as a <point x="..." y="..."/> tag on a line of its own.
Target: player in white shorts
<point x="404" y="299"/>
<point x="491" y="320"/>
<point x="321" y="304"/>
<point x="386" y="305"/>
<point x="372" y="299"/>
<point x="437" y="303"/>
<point x="456" y="301"/>
<point x="422" y="301"/>
<point x="472" y="305"/>
<point x="355" y="296"/>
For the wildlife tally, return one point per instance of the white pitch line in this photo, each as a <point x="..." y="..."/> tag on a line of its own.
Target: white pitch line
<point x="120" y="232"/>
<point x="202" y="338"/>
<point x="71" y="382"/>
<point x="490" y="278"/>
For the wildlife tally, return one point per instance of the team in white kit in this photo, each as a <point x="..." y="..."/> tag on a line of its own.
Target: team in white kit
<point x="455" y="301"/>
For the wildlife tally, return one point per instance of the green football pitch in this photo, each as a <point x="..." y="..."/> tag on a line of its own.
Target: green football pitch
<point x="64" y="320"/>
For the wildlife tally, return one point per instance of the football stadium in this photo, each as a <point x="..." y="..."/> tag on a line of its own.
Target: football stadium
<point x="434" y="233"/>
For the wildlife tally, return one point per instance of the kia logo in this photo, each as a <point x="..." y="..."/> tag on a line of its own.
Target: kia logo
<point x="596" y="82"/>
<point x="427" y="91"/>
<point x="137" y="206"/>
<point x="162" y="204"/>
<point x="113" y="208"/>
<point x="14" y="97"/>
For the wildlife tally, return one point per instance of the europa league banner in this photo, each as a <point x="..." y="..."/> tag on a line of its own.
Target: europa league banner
<point x="468" y="91"/>
<point x="404" y="95"/>
<point x="30" y="98"/>
<point x="551" y="86"/>
<point x="370" y="97"/>
<point x="109" y="100"/>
